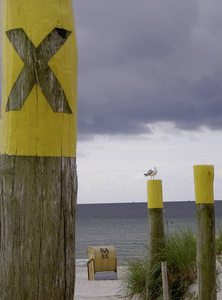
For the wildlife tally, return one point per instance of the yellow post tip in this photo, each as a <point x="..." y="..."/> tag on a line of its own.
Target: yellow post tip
<point x="154" y="193"/>
<point x="203" y="181"/>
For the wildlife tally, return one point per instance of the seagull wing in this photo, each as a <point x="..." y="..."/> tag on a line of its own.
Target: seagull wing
<point x="149" y="172"/>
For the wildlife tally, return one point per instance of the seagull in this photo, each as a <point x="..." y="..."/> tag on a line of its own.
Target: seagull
<point x="152" y="172"/>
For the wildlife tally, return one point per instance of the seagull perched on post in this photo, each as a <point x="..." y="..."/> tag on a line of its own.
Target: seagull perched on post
<point x="152" y="172"/>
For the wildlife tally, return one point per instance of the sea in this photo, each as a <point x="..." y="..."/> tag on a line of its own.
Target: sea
<point x="125" y="226"/>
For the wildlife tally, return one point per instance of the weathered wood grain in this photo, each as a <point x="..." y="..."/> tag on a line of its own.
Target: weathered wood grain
<point x="165" y="281"/>
<point x="156" y="241"/>
<point x="38" y="203"/>
<point x="206" y="253"/>
<point x="156" y="230"/>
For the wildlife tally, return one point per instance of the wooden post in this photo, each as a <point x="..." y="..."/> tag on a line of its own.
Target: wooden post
<point x="38" y="180"/>
<point x="155" y="221"/>
<point x="165" y="281"/>
<point x="155" y="216"/>
<point x="206" y="253"/>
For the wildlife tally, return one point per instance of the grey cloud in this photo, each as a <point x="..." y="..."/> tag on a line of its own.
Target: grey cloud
<point x="142" y="62"/>
<point x="147" y="61"/>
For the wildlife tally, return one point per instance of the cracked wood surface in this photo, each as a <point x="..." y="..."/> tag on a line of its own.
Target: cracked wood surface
<point x="38" y="203"/>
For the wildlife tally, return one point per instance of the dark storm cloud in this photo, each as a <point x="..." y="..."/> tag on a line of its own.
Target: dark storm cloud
<point x="146" y="61"/>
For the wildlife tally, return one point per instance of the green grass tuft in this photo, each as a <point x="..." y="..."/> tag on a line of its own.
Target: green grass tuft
<point x="180" y="254"/>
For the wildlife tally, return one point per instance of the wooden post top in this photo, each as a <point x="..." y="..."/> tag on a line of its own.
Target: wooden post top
<point x="203" y="181"/>
<point x="39" y="78"/>
<point x="154" y="194"/>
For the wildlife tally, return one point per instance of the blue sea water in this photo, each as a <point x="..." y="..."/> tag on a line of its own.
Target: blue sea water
<point x="125" y="226"/>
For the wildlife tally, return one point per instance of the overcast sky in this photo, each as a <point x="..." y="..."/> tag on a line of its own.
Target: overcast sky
<point x="149" y="94"/>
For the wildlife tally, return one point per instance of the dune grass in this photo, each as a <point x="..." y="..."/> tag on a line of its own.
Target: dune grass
<point x="180" y="254"/>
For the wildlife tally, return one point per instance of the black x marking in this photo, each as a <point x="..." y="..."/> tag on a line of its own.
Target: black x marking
<point x="36" y="69"/>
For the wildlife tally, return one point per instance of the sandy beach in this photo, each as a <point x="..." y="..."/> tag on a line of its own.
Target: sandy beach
<point x="110" y="289"/>
<point x="97" y="289"/>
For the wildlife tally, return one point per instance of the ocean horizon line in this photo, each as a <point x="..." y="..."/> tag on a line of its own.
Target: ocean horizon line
<point x="137" y="210"/>
<point x="140" y="202"/>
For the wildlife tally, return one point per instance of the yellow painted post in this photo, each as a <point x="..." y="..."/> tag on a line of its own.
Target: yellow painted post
<point x="155" y="215"/>
<point x="206" y="253"/>
<point x="155" y="218"/>
<point x="38" y="180"/>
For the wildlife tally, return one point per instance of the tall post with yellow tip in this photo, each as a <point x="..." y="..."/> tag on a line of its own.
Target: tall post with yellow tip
<point x="155" y="222"/>
<point x="38" y="180"/>
<point x="155" y="215"/>
<point x="206" y="253"/>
